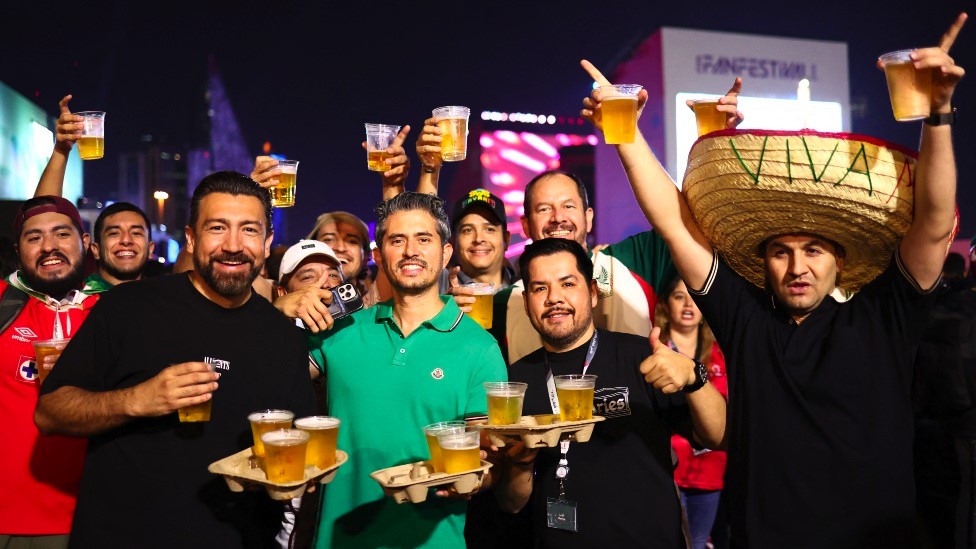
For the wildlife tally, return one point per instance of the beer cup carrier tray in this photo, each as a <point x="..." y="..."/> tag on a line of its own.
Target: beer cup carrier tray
<point x="411" y="481"/>
<point x="242" y="470"/>
<point x="542" y="431"/>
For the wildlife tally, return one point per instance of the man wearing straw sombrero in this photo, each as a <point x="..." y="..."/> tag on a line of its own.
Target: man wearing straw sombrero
<point x="820" y="422"/>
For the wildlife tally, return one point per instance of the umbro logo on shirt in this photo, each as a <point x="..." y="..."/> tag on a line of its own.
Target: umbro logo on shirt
<point x="24" y="334"/>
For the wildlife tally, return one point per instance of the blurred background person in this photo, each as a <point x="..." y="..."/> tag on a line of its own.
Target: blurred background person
<point x="699" y="471"/>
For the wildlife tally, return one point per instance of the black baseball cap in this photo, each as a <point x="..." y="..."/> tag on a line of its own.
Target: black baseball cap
<point x="479" y="197"/>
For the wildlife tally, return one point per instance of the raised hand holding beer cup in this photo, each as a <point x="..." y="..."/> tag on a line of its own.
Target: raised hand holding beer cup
<point x="613" y="109"/>
<point x="266" y="171"/>
<point x="714" y="114"/>
<point x="463" y="296"/>
<point x="68" y="128"/>
<point x="429" y="145"/>
<point x="921" y="81"/>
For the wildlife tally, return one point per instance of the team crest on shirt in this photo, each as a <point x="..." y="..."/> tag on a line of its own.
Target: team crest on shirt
<point x="26" y="370"/>
<point x="611" y="402"/>
<point x="437" y="373"/>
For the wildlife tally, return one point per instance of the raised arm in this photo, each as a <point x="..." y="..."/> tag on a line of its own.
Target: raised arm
<point x="396" y="175"/>
<point x="67" y="130"/>
<point x="925" y="244"/>
<point x="659" y="198"/>
<point x="429" y="152"/>
<point x="77" y="412"/>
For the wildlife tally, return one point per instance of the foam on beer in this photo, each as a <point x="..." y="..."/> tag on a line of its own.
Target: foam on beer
<point x="316" y="422"/>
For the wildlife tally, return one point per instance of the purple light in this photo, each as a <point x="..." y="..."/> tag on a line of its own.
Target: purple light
<point x="486" y="141"/>
<point x="563" y="139"/>
<point x="592" y="140"/>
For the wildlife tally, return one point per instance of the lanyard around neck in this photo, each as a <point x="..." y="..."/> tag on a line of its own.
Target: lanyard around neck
<point x="551" y="385"/>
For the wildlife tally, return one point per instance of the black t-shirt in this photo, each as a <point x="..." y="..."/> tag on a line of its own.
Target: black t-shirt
<point x="820" y="451"/>
<point x="145" y="483"/>
<point x="622" y="478"/>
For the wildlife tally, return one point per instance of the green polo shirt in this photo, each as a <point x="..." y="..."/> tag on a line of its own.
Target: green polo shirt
<point x="385" y="388"/>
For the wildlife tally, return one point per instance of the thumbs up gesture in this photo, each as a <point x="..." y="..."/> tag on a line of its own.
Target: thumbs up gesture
<point x="667" y="370"/>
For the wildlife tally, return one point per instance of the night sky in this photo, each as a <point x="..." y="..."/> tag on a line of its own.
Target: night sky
<point x="306" y="75"/>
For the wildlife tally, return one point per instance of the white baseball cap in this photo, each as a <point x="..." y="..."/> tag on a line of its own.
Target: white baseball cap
<point x="301" y="251"/>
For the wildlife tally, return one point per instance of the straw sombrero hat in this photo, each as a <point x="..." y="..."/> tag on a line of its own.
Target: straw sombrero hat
<point x="744" y="187"/>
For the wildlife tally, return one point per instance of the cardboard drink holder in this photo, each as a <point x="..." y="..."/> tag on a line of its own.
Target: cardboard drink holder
<point x="243" y="469"/>
<point x="411" y="481"/>
<point x="541" y="431"/>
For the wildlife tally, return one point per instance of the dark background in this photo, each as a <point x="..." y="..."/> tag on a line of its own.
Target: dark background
<point x="305" y="75"/>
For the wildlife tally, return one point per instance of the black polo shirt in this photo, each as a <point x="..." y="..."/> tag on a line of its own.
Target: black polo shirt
<point x="820" y="451"/>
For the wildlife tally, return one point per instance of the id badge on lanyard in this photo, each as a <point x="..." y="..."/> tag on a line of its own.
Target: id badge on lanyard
<point x="561" y="512"/>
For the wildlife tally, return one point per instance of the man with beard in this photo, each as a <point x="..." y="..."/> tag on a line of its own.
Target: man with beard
<point x="40" y="473"/>
<point x="623" y="474"/>
<point x="394" y="368"/>
<point x="158" y="345"/>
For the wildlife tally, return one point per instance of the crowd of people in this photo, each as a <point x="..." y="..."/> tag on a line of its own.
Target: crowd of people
<point x="780" y="411"/>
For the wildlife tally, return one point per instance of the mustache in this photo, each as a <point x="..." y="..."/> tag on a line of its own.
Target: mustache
<point x="238" y="257"/>
<point x="414" y="260"/>
<point x="556" y="310"/>
<point x="55" y="254"/>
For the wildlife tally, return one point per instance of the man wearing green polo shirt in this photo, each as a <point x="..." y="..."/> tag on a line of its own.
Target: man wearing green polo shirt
<point x="393" y="368"/>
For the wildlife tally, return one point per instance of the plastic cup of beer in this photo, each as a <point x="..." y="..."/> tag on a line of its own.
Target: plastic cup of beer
<point x="453" y="122"/>
<point x="91" y="146"/>
<point x="283" y="194"/>
<point x="47" y="348"/>
<point x="504" y="401"/>
<point x="430" y="433"/>
<point x="378" y="138"/>
<point x="575" y="394"/>
<point x="284" y="454"/>
<point x="323" y="432"/>
<point x="707" y="116"/>
<point x="481" y="311"/>
<point x="910" y="89"/>
<point x="197" y="412"/>
<point x="460" y="449"/>
<point x="265" y="421"/>
<point x="619" y="108"/>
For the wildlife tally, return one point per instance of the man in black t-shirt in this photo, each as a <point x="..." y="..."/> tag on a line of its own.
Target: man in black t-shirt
<point x="152" y="347"/>
<point x="820" y="421"/>
<point x="620" y="483"/>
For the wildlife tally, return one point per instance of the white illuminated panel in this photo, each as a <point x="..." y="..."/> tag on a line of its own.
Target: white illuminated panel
<point x="761" y="113"/>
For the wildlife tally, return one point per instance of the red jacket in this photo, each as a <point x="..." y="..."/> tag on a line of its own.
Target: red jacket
<point x="39" y="475"/>
<point x="705" y="470"/>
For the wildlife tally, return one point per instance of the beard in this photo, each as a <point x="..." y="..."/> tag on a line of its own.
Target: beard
<point x="563" y="339"/>
<point x="56" y="287"/>
<point x="227" y="285"/>
<point x="412" y="287"/>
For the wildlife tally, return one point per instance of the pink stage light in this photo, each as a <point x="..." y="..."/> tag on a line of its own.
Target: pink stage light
<point x="592" y="140"/>
<point x="521" y="159"/>
<point x="502" y="179"/>
<point x="486" y="141"/>
<point x="563" y="139"/>
<point x="517" y="248"/>
<point x="540" y="145"/>
<point x="507" y="136"/>
<point x="514" y="198"/>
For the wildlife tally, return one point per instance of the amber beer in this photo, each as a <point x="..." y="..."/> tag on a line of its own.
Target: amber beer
<point x="196" y="413"/>
<point x="453" y="123"/>
<point x="707" y="117"/>
<point x="284" y="458"/>
<point x="376" y="161"/>
<point x="575" y="395"/>
<point x="91" y="145"/>
<point x="430" y="433"/>
<point x="323" y="432"/>
<point x="619" y="107"/>
<point x="266" y="421"/>
<point x="909" y="89"/>
<point x="91" y="148"/>
<point x="45" y="348"/>
<point x="379" y="137"/>
<point x="460" y="449"/>
<point x="481" y="311"/>
<point x="504" y="401"/>
<point x="283" y="194"/>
